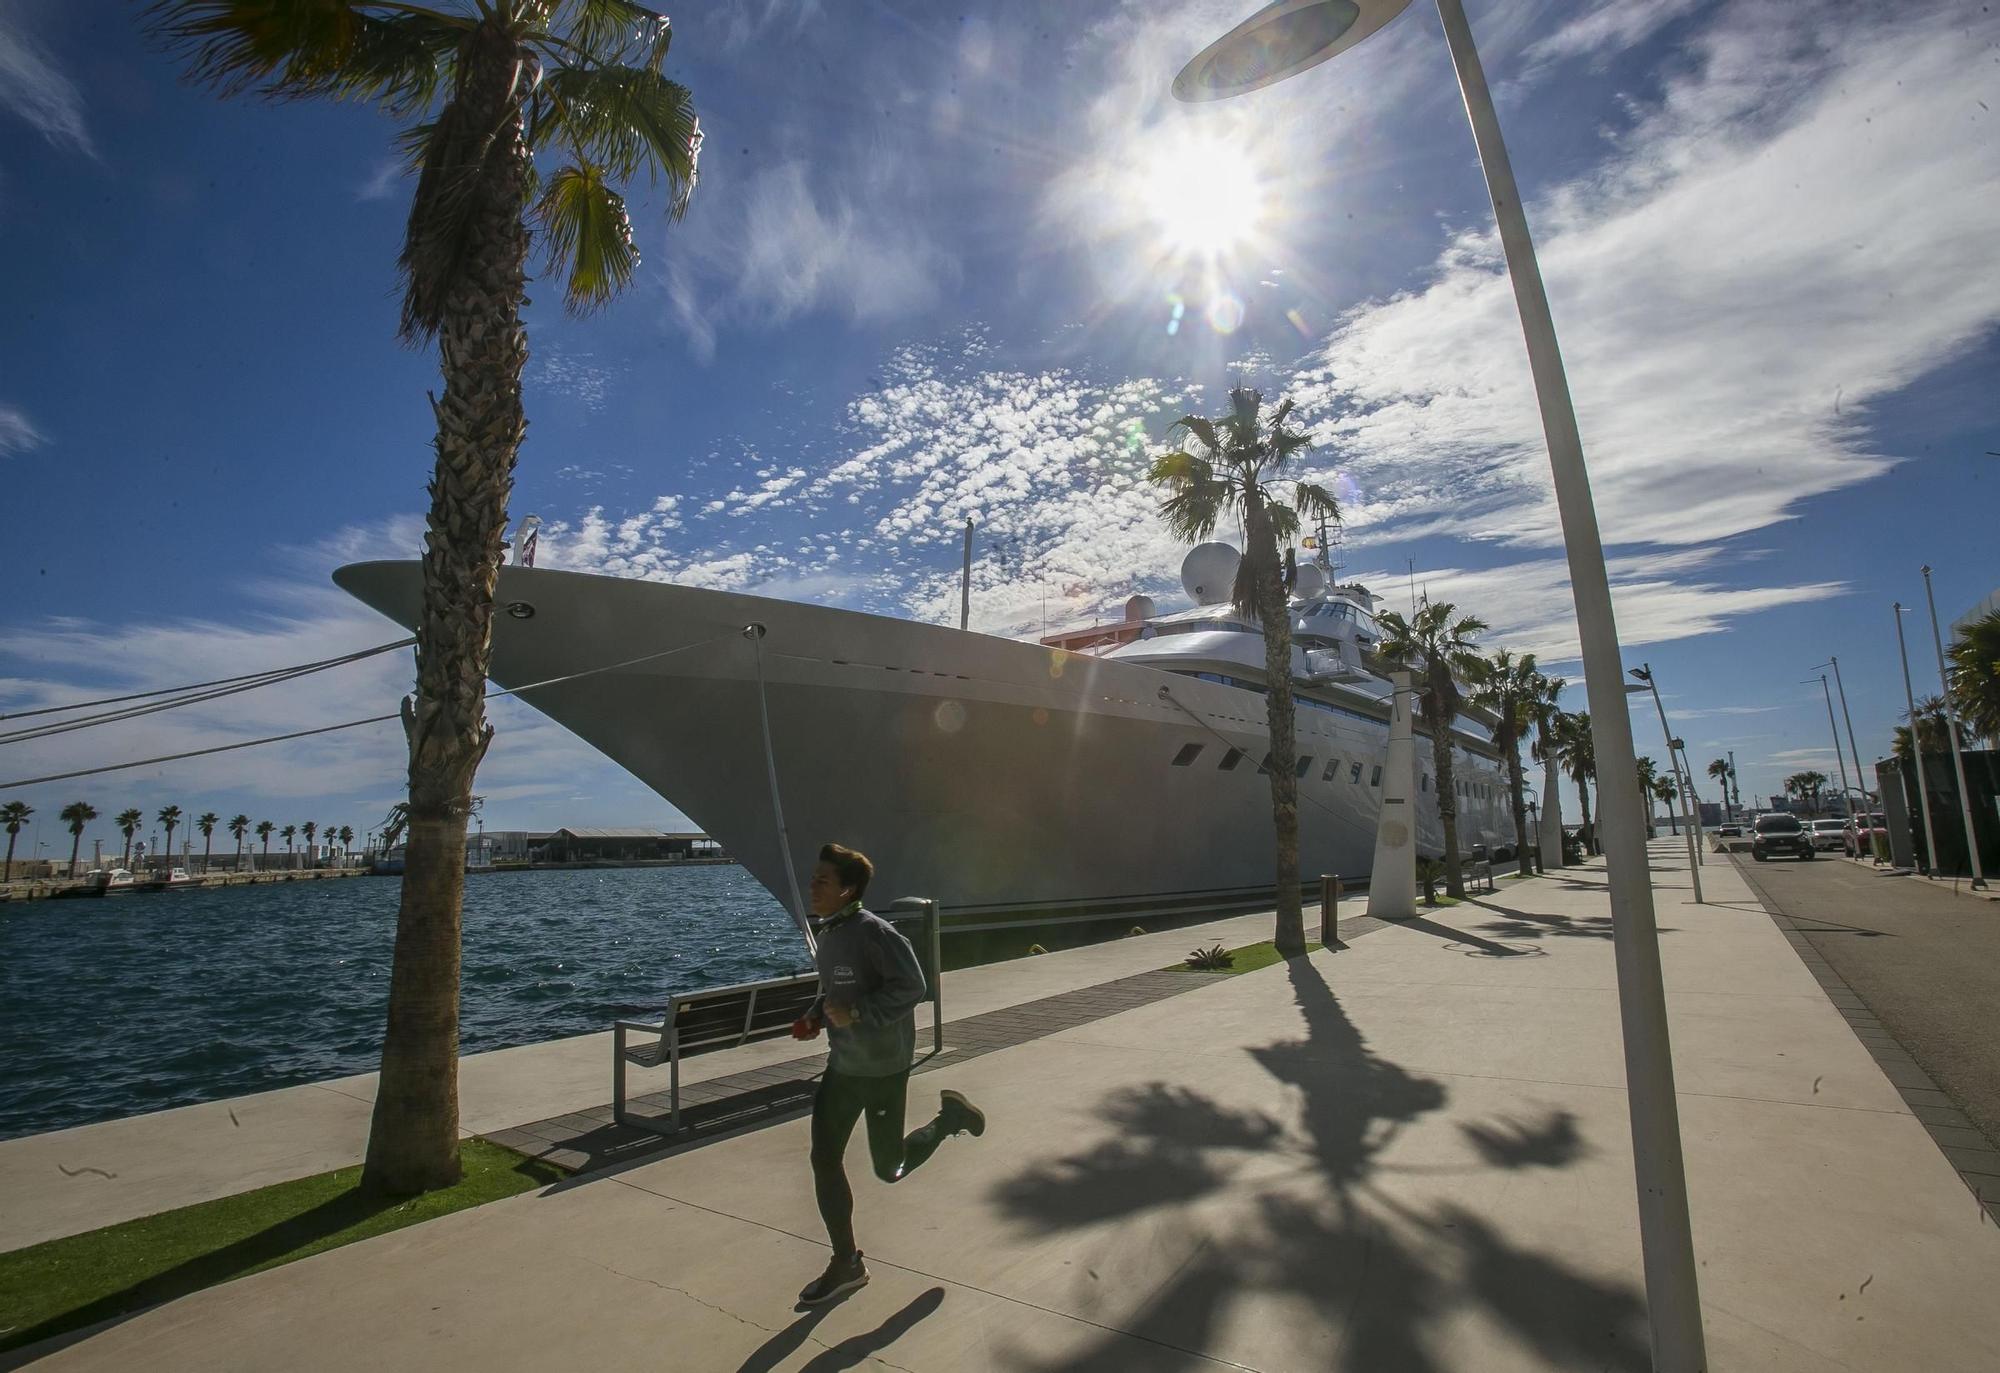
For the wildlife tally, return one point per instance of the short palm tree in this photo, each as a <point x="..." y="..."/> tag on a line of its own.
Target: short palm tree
<point x="1436" y="645"/>
<point x="1508" y="691"/>
<point x="239" y="825"/>
<point x="346" y="839"/>
<point x="265" y="829"/>
<point x="1545" y="711"/>
<point x="128" y="822"/>
<point x="206" y="823"/>
<point x="1933" y="726"/>
<point x="14" y="815"/>
<point x="1243" y="459"/>
<point x="1579" y="757"/>
<point x="1975" y="676"/>
<point x="1664" y="788"/>
<point x="482" y="88"/>
<point x="77" y="815"/>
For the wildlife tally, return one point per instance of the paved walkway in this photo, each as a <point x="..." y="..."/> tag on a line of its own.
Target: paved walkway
<point x="1411" y="1154"/>
<point x="1916" y="970"/>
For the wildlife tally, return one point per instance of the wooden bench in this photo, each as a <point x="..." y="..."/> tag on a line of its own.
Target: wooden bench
<point x="700" y="1022"/>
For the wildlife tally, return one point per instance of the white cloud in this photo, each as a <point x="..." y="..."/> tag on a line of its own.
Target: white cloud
<point x="1609" y="27"/>
<point x="381" y="181"/>
<point x="33" y="88"/>
<point x="17" y="432"/>
<point x="744" y="22"/>
<point x="1730" y="308"/>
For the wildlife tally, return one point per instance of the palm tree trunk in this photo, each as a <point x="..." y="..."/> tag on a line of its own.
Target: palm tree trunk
<point x="127" y="861"/>
<point x="1517" y="784"/>
<point x="75" y="843"/>
<point x="1290" y="933"/>
<point x="413" y="1137"/>
<point x="1583" y="806"/>
<point x="12" y="835"/>
<point x="1438" y="703"/>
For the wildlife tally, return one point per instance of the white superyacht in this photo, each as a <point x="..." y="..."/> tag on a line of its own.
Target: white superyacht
<point x="1108" y="774"/>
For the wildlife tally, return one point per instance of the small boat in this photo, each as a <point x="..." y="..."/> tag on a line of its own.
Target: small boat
<point x="110" y="881"/>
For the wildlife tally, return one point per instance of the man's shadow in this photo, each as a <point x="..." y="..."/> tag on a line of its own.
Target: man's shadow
<point x="850" y="1352"/>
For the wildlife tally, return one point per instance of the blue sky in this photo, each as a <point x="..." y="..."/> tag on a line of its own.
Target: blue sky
<point x="931" y="270"/>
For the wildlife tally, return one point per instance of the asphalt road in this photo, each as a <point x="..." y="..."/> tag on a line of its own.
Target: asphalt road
<point x="1925" y="961"/>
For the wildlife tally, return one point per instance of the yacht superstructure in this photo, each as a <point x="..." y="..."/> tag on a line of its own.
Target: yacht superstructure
<point x="1015" y="782"/>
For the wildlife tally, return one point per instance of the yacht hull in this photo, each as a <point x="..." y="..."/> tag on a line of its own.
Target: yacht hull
<point x="1015" y="784"/>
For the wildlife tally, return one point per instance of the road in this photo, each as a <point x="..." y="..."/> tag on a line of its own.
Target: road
<point x="1926" y="962"/>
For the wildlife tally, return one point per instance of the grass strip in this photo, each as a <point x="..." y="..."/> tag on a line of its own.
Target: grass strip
<point x="78" y="1280"/>
<point x="1251" y="957"/>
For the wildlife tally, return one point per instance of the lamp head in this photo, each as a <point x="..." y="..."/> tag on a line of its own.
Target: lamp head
<point x="1282" y="39"/>
<point x="1641" y="673"/>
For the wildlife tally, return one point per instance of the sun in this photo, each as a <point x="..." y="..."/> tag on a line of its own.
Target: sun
<point x="1204" y="194"/>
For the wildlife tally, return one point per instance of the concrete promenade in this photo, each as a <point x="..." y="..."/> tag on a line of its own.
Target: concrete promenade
<point x="1411" y="1154"/>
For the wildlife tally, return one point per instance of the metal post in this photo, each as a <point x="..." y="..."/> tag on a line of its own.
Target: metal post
<point x="1951" y="724"/>
<point x="937" y="976"/>
<point x="1838" y="756"/>
<point x="1672" y="1289"/>
<point x="1860" y="777"/>
<point x="1916" y="745"/>
<point x="965" y="580"/>
<point x="1674" y="761"/>
<point x="1329" y="914"/>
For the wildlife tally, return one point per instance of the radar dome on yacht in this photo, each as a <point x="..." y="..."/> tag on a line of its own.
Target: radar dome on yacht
<point x="1310" y="582"/>
<point x="1139" y="608"/>
<point x="1208" y="573"/>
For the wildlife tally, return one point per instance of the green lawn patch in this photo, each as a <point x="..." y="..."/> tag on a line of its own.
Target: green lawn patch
<point x="1251" y="957"/>
<point x="82" y="1279"/>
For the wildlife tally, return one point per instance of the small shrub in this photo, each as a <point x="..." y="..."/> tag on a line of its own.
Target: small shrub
<point x="1216" y="959"/>
<point x="1136" y="929"/>
<point x="1429" y="870"/>
<point x="1036" y="948"/>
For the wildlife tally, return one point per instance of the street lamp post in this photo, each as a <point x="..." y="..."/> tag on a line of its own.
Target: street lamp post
<point x="1644" y="673"/>
<point x="1840" y="688"/>
<point x="1281" y="40"/>
<point x="1951" y="727"/>
<point x="1916" y="743"/>
<point x="1839" y="758"/>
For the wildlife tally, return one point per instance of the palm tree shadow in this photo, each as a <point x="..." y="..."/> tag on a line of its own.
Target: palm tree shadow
<point x="1384" y="1277"/>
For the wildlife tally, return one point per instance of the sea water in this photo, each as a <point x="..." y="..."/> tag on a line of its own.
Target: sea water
<point x="139" y="1002"/>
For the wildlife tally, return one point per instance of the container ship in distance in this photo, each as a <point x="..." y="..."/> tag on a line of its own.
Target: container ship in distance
<point x="1108" y="774"/>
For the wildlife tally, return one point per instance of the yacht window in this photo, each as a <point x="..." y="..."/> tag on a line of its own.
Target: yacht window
<point x="1305" y="765"/>
<point x="1424" y="783"/>
<point x="1355" y="776"/>
<point x="1188" y="753"/>
<point x="1230" y="760"/>
<point x="1375" y="778"/>
<point x="1332" y="767"/>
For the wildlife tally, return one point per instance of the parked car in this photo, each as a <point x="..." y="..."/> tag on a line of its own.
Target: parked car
<point x="1777" y="833"/>
<point x="1829" y="834"/>
<point x="1858" y="835"/>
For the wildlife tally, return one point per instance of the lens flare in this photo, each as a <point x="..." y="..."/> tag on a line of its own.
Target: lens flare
<point x="1225" y="313"/>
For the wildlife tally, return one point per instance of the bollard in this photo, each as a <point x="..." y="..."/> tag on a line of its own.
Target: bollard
<point x="1329" y="916"/>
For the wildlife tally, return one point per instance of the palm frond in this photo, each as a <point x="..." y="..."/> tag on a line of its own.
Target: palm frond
<point x="1244" y="403"/>
<point x="1203" y="430"/>
<point x="587" y="235"/>
<point x="347" y="49"/>
<point x="625" y="120"/>
<point x="1180" y="466"/>
<point x="1315" y="502"/>
<point x="613" y="31"/>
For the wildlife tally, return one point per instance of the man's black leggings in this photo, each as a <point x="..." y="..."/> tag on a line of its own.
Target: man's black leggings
<point x="841" y="1100"/>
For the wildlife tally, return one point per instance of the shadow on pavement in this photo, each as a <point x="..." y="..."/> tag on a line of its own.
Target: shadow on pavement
<point x="1521" y="924"/>
<point x="851" y="1352"/>
<point x="1380" y="1276"/>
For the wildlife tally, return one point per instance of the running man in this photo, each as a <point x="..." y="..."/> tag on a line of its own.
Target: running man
<point x="870" y="983"/>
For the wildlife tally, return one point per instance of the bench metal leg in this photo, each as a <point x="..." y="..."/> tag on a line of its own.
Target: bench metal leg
<point x="618" y="1074"/>
<point x="674" y="1088"/>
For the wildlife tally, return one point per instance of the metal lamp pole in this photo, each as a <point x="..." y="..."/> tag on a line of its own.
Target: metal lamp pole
<point x="1916" y="743"/>
<point x="1280" y="40"/>
<point x="1951" y="725"/>
<point x="1860" y="778"/>
<point x="1644" y="673"/>
<point x="1839" y="758"/>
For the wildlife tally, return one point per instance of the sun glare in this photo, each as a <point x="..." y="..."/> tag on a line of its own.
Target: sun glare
<point x="1203" y="194"/>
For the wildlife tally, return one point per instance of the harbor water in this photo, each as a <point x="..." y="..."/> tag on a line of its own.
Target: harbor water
<point x="136" y="1003"/>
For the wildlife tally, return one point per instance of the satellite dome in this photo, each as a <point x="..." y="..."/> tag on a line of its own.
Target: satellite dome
<point x="1139" y="608"/>
<point x="1311" y="581"/>
<point x="1208" y="573"/>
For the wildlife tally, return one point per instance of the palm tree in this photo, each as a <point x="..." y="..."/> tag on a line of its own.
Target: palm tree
<point x="1649" y="773"/>
<point x="239" y="825"/>
<point x="1806" y="787"/>
<point x="170" y="816"/>
<point x="1579" y="755"/>
<point x="1548" y="744"/>
<point x="264" y="831"/>
<point x="310" y="829"/>
<point x="14" y="815"/>
<point x="1720" y="770"/>
<point x="1439" y="648"/>
<point x="289" y="832"/>
<point x="1508" y="691"/>
<point x="482" y="88"/>
<point x="346" y="840"/>
<point x="76" y="815"/>
<point x="128" y="822"/>
<point x="1243" y="459"/>
<point x="1975" y="676"/>
<point x="1664" y="788"/>
<point x="206" y="824"/>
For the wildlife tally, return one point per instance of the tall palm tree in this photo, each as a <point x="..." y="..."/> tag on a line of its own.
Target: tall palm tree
<point x="264" y="831"/>
<point x="1243" y="459"/>
<point x="289" y="832"/>
<point x="14" y="815"/>
<point x="1720" y="770"/>
<point x="170" y="816"/>
<point x="346" y="840"/>
<point x="482" y="88"/>
<point x="206" y="823"/>
<point x="309" y="829"/>
<point x="1649" y="773"/>
<point x="76" y="815"/>
<point x="1664" y="788"/>
<point x="239" y="825"/>
<point x="128" y="822"/>
<point x="1579" y="756"/>
<point x="1508" y="691"/>
<point x="1547" y="750"/>
<point x="1436" y="644"/>
<point x="1975" y="675"/>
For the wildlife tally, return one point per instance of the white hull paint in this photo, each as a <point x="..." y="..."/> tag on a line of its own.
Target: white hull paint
<point x="1015" y="783"/>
